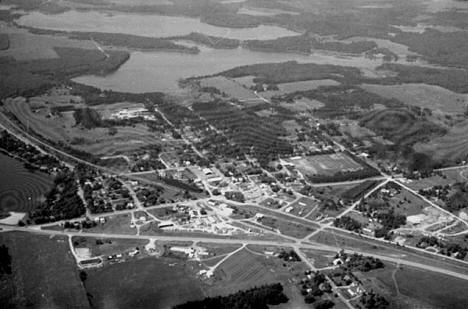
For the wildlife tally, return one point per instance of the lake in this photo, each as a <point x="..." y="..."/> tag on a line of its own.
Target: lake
<point x="160" y="71"/>
<point x="144" y="25"/>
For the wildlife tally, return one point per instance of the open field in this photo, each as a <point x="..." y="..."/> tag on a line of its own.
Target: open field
<point x="401" y="126"/>
<point x="319" y="258"/>
<point x="303" y="206"/>
<point x="287" y="228"/>
<point x="302" y="105"/>
<point x="451" y="147"/>
<point x="285" y="88"/>
<point x="229" y="87"/>
<point x="20" y="190"/>
<point x="44" y="273"/>
<point x="451" y="177"/>
<point x="118" y="224"/>
<point x="143" y="283"/>
<point x="249" y="267"/>
<point x="243" y="270"/>
<point x="219" y="249"/>
<point x="37" y="116"/>
<point x="406" y="203"/>
<point x="325" y="164"/>
<point x="27" y="46"/>
<point x="425" y="96"/>
<point x="107" y="246"/>
<point x="414" y="288"/>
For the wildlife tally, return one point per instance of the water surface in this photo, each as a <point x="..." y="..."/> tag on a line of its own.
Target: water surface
<point x="144" y="25"/>
<point x="160" y="71"/>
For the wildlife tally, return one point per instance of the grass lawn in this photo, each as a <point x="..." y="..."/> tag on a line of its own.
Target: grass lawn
<point x="407" y="203"/>
<point x="108" y="246"/>
<point x="143" y="283"/>
<point x="44" y="273"/>
<point x="408" y="287"/>
<point x="287" y="228"/>
<point x="325" y="164"/>
<point x="116" y="224"/>
<point x="303" y="206"/>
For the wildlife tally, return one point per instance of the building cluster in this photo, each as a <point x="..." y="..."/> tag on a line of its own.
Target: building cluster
<point x="207" y="218"/>
<point x="131" y="113"/>
<point x="105" y="194"/>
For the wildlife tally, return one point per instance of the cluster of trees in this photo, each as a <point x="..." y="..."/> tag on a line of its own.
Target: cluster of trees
<point x="384" y="214"/>
<point x="360" y="262"/>
<point x="289" y="256"/>
<point x="5" y="261"/>
<point x="358" y="191"/>
<point x="84" y="224"/>
<point x="371" y="300"/>
<point x="151" y="197"/>
<point x="187" y="186"/>
<point x="363" y="173"/>
<point x="29" y="78"/>
<point x="235" y="196"/>
<point x="459" y="199"/>
<point x="348" y="223"/>
<point x="438" y="191"/>
<point x="29" y="153"/>
<point x="303" y="44"/>
<point x="389" y="221"/>
<point x="87" y="117"/>
<point x="62" y="201"/>
<point x="256" y="298"/>
<point x="291" y="71"/>
<point x="446" y="248"/>
<point x="313" y="287"/>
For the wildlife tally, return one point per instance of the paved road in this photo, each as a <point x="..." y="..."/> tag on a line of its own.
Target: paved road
<point x="26" y="137"/>
<point x="306" y="245"/>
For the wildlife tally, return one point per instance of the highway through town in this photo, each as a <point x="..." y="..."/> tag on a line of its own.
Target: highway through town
<point x="285" y="241"/>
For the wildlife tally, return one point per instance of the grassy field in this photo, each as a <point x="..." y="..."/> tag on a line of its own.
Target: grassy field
<point x="302" y="105"/>
<point x="20" y="190"/>
<point x="451" y="177"/>
<point x="27" y="46"/>
<point x="451" y="147"/>
<point x="143" y="283"/>
<point x="325" y="164"/>
<point x="285" y="88"/>
<point x="230" y="87"/>
<point x="107" y="246"/>
<point x="243" y="270"/>
<point x="412" y="288"/>
<point x="404" y="127"/>
<point x="44" y="273"/>
<point x="319" y="258"/>
<point x="407" y="203"/>
<point x="116" y="224"/>
<point x="425" y="96"/>
<point x="219" y="249"/>
<point x="37" y="116"/>
<point x="303" y="206"/>
<point x="287" y="228"/>
<point x="249" y="267"/>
